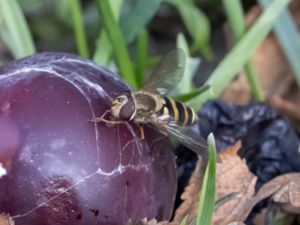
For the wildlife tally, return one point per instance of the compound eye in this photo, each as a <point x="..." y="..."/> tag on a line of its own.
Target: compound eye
<point x="127" y="110"/>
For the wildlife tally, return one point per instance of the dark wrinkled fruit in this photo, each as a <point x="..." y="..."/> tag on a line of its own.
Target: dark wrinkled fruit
<point x="269" y="143"/>
<point x="57" y="167"/>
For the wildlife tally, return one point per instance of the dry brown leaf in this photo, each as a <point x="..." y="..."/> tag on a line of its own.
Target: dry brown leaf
<point x="233" y="175"/>
<point x="285" y="190"/>
<point x="151" y="222"/>
<point x="227" y="153"/>
<point x="273" y="187"/>
<point x="5" y="219"/>
<point x="289" y="195"/>
<point x="190" y="197"/>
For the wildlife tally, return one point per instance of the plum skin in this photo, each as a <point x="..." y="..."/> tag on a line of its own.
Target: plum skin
<point x="60" y="168"/>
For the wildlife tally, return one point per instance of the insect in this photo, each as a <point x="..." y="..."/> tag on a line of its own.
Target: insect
<point x="149" y="105"/>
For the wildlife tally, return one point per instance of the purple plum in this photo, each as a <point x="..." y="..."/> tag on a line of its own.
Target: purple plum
<point x="58" y="167"/>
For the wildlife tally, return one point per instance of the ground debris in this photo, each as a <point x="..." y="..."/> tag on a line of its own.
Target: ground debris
<point x="5" y="219"/>
<point x="234" y="176"/>
<point x="150" y="222"/>
<point x="190" y="196"/>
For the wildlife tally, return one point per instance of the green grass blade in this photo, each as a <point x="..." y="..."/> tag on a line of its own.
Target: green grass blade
<point x="289" y="38"/>
<point x="141" y="57"/>
<point x="104" y="50"/>
<point x="242" y="52"/>
<point x="235" y="15"/>
<point x="186" y="84"/>
<point x="184" y="221"/>
<point x="253" y="81"/>
<point x="79" y="28"/>
<point x="195" y="92"/>
<point x="18" y="37"/>
<point x="207" y="195"/>
<point x="117" y="42"/>
<point x="137" y="18"/>
<point x="197" y="25"/>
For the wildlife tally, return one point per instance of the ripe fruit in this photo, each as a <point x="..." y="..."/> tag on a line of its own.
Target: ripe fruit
<point x="57" y="167"/>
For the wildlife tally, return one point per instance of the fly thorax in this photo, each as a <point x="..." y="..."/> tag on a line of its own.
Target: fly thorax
<point x="145" y="102"/>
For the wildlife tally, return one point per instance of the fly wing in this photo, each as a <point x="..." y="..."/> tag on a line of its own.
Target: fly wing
<point x="168" y="73"/>
<point x="186" y="135"/>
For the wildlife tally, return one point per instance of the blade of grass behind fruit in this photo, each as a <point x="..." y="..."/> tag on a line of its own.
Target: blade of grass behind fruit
<point x="195" y="92"/>
<point x="288" y="37"/>
<point x="140" y="14"/>
<point x="18" y="37"/>
<point x="240" y="53"/>
<point x="117" y="42"/>
<point x="186" y="84"/>
<point x="207" y="194"/>
<point x="141" y="57"/>
<point x="103" y="51"/>
<point x="197" y="25"/>
<point x="79" y="28"/>
<point x="235" y="15"/>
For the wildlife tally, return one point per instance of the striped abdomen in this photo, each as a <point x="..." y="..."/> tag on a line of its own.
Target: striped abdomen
<point x="178" y="112"/>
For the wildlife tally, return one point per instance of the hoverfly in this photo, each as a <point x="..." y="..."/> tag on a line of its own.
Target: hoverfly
<point x="149" y="105"/>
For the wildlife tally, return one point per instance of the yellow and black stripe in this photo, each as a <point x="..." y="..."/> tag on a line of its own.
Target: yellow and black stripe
<point x="178" y="112"/>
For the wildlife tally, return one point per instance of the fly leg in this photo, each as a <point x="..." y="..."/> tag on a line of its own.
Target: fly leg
<point x="157" y="141"/>
<point x="102" y="119"/>
<point x="141" y="128"/>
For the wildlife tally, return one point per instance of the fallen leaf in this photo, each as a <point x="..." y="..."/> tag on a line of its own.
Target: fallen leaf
<point x="190" y="197"/>
<point x="289" y="195"/>
<point x="150" y="222"/>
<point x="237" y="223"/>
<point x="227" y="153"/>
<point x="233" y="175"/>
<point x="5" y="219"/>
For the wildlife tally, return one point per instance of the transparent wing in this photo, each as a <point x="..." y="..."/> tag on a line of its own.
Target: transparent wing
<point x="188" y="136"/>
<point x="168" y="73"/>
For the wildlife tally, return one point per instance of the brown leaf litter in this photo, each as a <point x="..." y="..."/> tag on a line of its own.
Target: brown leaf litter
<point x="233" y="176"/>
<point x="5" y="219"/>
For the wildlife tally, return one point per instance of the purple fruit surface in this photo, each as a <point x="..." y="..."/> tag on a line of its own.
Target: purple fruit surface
<point x="57" y="167"/>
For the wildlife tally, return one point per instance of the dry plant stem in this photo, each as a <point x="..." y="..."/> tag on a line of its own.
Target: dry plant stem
<point x="288" y="108"/>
